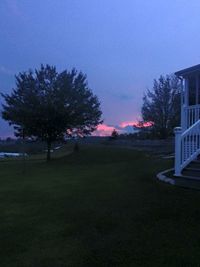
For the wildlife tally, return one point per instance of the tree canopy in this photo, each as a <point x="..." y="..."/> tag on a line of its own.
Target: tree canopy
<point x="161" y="105"/>
<point x="47" y="104"/>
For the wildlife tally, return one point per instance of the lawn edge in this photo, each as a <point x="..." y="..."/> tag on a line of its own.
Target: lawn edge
<point x="162" y="177"/>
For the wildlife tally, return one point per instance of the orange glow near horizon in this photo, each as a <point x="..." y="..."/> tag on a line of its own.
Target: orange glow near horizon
<point x="106" y="130"/>
<point x="135" y="123"/>
<point x="128" y="123"/>
<point x="145" y="124"/>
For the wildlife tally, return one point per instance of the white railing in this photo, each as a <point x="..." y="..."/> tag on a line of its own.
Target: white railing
<point x="187" y="146"/>
<point x="191" y="115"/>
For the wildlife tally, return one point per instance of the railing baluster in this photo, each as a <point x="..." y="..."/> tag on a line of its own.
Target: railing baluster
<point x="192" y="141"/>
<point x="188" y="142"/>
<point x="198" y="140"/>
<point x="191" y="122"/>
<point x="191" y="145"/>
<point x="182" y="151"/>
<point x="198" y="114"/>
<point x="195" y="142"/>
<point x="188" y="112"/>
<point x="192" y="117"/>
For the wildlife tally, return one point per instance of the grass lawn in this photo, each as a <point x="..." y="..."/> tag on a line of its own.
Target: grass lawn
<point x="99" y="207"/>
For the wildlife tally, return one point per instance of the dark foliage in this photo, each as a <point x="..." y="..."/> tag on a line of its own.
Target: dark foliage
<point x="114" y="134"/>
<point x="161" y="105"/>
<point x="48" y="105"/>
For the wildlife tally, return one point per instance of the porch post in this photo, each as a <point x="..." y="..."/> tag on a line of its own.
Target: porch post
<point x="197" y="88"/>
<point x="184" y="103"/>
<point x="186" y="92"/>
<point x="177" y="163"/>
<point x="197" y="96"/>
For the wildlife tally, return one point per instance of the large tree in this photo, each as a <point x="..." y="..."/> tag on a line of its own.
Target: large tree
<point x="161" y="105"/>
<point x="47" y="104"/>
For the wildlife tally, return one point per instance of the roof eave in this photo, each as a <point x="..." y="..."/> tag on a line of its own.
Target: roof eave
<point x="188" y="71"/>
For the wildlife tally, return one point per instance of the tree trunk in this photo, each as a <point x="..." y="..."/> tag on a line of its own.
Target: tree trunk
<point x="48" y="150"/>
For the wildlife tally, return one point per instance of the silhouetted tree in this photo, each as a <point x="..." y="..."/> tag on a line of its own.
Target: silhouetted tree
<point x="114" y="134"/>
<point x="144" y="130"/>
<point x="161" y="105"/>
<point x="47" y="104"/>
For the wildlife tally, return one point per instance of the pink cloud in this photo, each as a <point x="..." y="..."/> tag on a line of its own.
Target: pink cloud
<point x="106" y="130"/>
<point x="128" y="123"/>
<point x="135" y="123"/>
<point x="103" y="130"/>
<point x="145" y="124"/>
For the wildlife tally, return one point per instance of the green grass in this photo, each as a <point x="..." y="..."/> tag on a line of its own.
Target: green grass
<point x="99" y="207"/>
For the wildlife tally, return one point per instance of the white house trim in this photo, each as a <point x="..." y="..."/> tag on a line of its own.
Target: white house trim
<point x="187" y="137"/>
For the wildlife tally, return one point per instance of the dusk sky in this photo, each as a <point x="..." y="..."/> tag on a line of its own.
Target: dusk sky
<point x="121" y="45"/>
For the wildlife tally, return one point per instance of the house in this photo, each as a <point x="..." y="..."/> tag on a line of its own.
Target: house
<point x="187" y="136"/>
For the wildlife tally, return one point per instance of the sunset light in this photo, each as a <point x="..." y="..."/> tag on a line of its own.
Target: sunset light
<point x="103" y="130"/>
<point x="128" y="123"/>
<point x="106" y="130"/>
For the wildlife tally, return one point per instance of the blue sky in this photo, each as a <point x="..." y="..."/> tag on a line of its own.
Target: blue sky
<point x="121" y="45"/>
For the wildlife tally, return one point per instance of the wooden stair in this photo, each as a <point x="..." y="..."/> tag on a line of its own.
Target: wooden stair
<point x="190" y="177"/>
<point x="192" y="171"/>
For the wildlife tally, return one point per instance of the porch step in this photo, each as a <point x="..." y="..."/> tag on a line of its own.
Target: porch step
<point x="194" y="165"/>
<point x="192" y="171"/>
<point x="195" y="178"/>
<point x="195" y="175"/>
<point x="188" y="182"/>
<point x="196" y="161"/>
